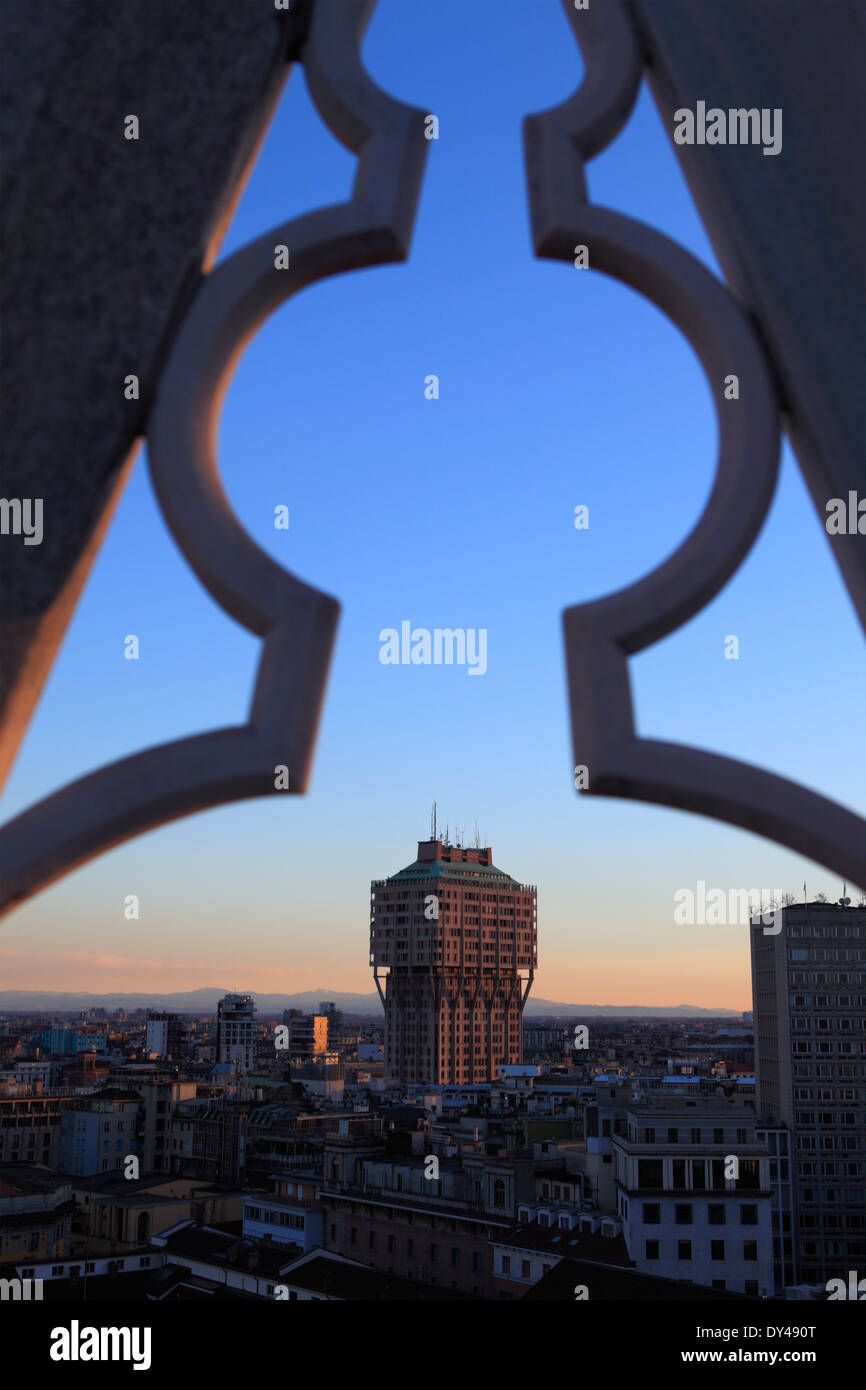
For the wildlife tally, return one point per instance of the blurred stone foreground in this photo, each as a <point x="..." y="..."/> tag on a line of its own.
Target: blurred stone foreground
<point x="104" y="241"/>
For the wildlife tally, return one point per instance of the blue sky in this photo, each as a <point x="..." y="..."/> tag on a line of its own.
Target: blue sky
<point x="557" y="388"/>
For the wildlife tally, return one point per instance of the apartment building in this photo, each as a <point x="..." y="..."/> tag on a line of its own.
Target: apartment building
<point x="809" y="1004"/>
<point x="291" y="1215"/>
<point x="30" y="1128"/>
<point x="236" y="1030"/>
<point x="98" y="1132"/>
<point x="36" y="1207"/>
<point x="693" y="1192"/>
<point x="308" y="1035"/>
<point x="165" y="1034"/>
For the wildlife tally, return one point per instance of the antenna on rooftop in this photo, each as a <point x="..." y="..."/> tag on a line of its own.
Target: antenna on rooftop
<point x="477" y="837"/>
<point x="433" y="822"/>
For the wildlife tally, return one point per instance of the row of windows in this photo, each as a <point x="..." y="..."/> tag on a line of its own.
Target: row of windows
<point x="62" y="1271"/>
<point x="696" y="1136"/>
<point x="800" y="955"/>
<point x="697" y="1174"/>
<point x="828" y="1117"/>
<point x="814" y="1221"/>
<point x="831" y="977"/>
<point x="432" y="1250"/>
<point x="848" y="1170"/>
<point x="275" y="1218"/>
<point x="683" y="1214"/>
<point x="831" y="1195"/>
<point x="717" y="1251"/>
<point x="825" y="1093"/>
<point x="834" y="933"/>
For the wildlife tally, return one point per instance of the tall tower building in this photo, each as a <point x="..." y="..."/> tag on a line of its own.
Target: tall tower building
<point x="453" y="945"/>
<point x="809" y="1003"/>
<point x="235" y="1040"/>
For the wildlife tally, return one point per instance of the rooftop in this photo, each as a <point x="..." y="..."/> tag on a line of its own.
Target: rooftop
<point x="614" y="1284"/>
<point x="571" y="1244"/>
<point x="340" y="1279"/>
<point x="438" y="860"/>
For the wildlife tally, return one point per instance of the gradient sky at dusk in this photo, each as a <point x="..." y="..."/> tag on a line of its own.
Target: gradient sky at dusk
<point x="558" y="387"/>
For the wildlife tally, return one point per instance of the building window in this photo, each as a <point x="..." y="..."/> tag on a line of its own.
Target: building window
<point x="524" y="1269"/>
<point x="717" y="1249"/>
<point x="652" y="1250"/>
<point x="506" y="1264"/>
<point x="750" y="1249"/>
<point x="716" y="1215"/>
<point x="652" y="1214"/>
<point x="749" y="1215"/>
<point x="683" y="1214"/>
<point x="649" y="1174"/>
<point x="684" y="1250"/>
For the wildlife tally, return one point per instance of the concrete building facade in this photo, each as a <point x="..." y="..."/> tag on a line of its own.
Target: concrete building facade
<point x="235" y="1040"/>
<point x="683" y="1216"/>
<point x="809" y="1003"/>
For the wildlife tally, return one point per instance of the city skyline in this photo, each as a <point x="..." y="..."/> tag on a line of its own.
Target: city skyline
<point x="470" y="499"/>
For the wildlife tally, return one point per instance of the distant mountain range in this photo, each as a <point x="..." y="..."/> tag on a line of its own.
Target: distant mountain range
<point x="202" y="1001"/>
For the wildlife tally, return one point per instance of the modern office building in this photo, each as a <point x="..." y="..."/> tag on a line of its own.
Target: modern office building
<point x="809" y="998"/>
<point x="164" y="1034"/>
<point x="308" y="1035"/>
<point x="235" y="1040"/>
<point x="453" y="946"/>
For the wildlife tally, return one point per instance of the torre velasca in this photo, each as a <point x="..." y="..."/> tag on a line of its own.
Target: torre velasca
<point x="453" y="945"/>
